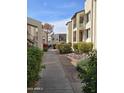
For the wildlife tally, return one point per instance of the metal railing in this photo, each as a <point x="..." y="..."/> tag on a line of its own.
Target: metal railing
<point x="82" y="25"/>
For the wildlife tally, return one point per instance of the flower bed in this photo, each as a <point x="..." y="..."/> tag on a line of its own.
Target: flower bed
<point x="76" y="56"/>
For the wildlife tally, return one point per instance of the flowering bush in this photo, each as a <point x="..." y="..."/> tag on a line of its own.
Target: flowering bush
<point x="45" y="47"/>
<point x="88" y="73"/>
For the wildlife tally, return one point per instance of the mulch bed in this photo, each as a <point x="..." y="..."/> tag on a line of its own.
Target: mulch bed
<point x="76" y="56"/>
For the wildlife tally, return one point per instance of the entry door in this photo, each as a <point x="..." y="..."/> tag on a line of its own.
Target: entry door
<point x="81" y="35"/>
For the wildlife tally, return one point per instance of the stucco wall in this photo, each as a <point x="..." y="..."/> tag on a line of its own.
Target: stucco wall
<point x="90" y="6"/>
<point x="45" y="37"/>
<point x="69" y="32"/>
<point x="40" y="31"/>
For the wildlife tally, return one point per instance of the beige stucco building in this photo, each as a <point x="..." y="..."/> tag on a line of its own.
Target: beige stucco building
<point x="69" y="32"/>
<point x="59" y="38"/>
<point x="34" y="33"/>
<point x="82" y="26"/>
<point x="78" y="26"/>
<point x="90" y="12"/>
<point x="45" y="37"/>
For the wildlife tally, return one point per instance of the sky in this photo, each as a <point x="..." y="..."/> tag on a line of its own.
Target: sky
<point x="55" y="12"/>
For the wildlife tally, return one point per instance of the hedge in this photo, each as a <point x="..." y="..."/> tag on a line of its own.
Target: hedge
<point x="83" y="47"/>
<point x="88" y="73"/>
<point x="34" y="58"/>
<point x="64" y="48"/>
<point x="57" y="46"/>
<point x="75" y="47"/>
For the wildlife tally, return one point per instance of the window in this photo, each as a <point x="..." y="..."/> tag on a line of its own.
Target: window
<point x="88" y="16"/>
<point x="81" y="19"/>
<point x="88" y="33"/>
<point x="36" y="35"/>
<point x="74" y="36"/>
<point x="81" y="35"/>
<point x="32" y="30"/>
<point x="74" y="23"/>
<point x="36" y="29"/>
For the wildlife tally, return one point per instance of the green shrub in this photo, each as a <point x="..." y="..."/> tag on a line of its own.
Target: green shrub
<point x="64" y="48"/>
<point x="54" y="46"/>
<point x="34" y="57"/>
<point x="70" y="43"/>
<point x="83" y="47"/>
<point x="88" y="73"/>
<point x="62" y="42"/>
<point x="89" y="46"/>
<point x="45" y="49"/>
<point x="75" y="47"/>
<point x="57" y="46"/>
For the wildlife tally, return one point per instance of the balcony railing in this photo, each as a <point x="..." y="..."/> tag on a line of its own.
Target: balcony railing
<point x="82" y="25"/>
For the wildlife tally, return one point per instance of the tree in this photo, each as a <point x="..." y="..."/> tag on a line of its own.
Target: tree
<point x="48" y="28"/>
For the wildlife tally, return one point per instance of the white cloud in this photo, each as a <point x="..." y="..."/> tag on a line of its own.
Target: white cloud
<point x="60" y="25"/>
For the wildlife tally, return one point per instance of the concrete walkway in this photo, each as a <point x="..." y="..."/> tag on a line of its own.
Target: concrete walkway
<point x="54" y="78"/>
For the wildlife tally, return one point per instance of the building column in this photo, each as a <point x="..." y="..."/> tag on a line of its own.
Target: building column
<point x="77" y="36"/>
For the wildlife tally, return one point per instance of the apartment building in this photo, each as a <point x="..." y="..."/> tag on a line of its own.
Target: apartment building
<point x="90" y="12"/>
<point x="78" y="26"/>
<point x="34" y="33"/>
<point x="59" y="38"/>
<point x="69" y="32"/>
<point x="50" y="38"/>
<point x="45" y="37"/>
<point x="82" y="26"/>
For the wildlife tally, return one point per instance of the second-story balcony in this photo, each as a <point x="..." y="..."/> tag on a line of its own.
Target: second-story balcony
<point x="82" y="25"/>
